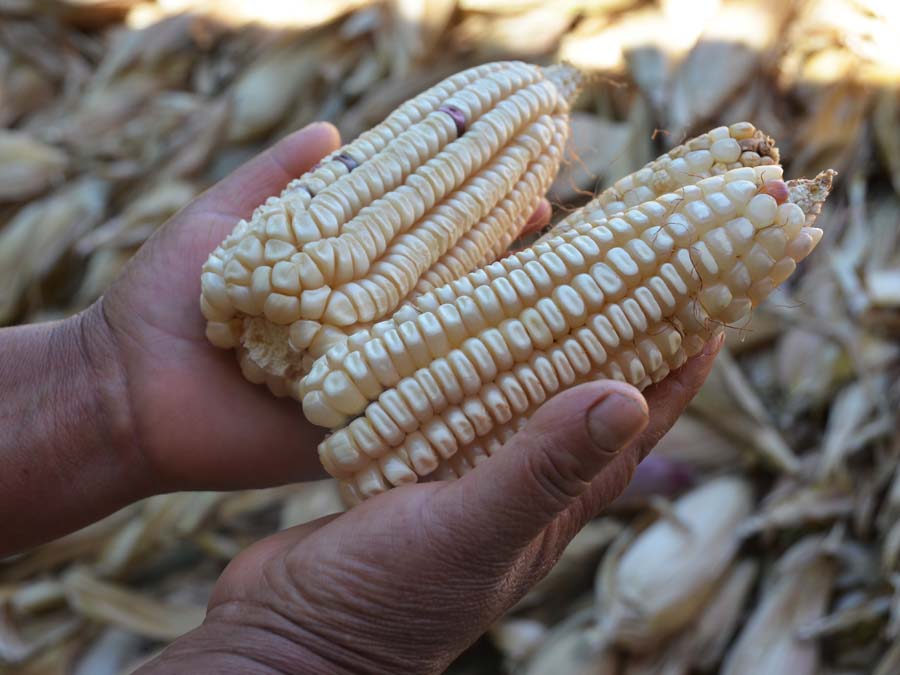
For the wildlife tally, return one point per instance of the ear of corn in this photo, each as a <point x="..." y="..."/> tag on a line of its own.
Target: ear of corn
<point x="710" y="154"/>
<point x="442" y="183"/>
<point x="444" y="383"/>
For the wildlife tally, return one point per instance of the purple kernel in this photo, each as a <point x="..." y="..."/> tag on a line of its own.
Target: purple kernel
<point x="458" y="117"/>
<point x="347" y="161"/>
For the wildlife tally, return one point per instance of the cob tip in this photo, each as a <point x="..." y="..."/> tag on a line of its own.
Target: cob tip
<point x="810" y="193"/>
<point x="567" y="78"/>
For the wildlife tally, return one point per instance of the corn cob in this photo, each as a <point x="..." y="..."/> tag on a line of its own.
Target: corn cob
<point x="451" y="376"/>
<point x="709" y="154"/>
<point x="444" y="181"/>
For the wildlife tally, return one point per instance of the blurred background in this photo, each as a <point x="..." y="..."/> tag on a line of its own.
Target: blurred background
<point x="763" y="535"/>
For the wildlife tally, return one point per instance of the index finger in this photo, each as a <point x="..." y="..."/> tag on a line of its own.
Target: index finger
<point x="269" y="172"/>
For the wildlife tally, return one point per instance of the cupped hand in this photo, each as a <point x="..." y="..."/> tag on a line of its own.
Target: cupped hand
<point x="406" y="581"/>
<point x="182" y="406"/>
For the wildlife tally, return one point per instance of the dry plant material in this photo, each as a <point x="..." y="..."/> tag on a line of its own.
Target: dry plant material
<point x="798" y="593"/>
<point x="127" y="109"/>
<point x="656" y="584"/>
<point x="27" y="166"/>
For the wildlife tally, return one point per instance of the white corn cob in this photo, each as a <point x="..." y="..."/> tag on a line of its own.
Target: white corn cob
<point x="709" y="154"/>
<point x="445" y="382"/>
<point x="444" y="181"/>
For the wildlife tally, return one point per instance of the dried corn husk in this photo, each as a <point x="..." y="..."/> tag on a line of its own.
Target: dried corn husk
<point x="32" y="243"/>
<point x="797" y="594"/>
<point x="138" y="98"/>
<point x="581" y="555"/>
<point x="265" y="92"/>
<point x="569" y="648"/>
<point x="597" y="149"/>
<point x="27" y="166"/>
<point x="109" y="603"/>
<point x="728" y="52"/>
<point x="658" y="582"/>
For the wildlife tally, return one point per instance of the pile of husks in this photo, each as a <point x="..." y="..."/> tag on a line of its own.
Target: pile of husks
<point x="762" y="537"/>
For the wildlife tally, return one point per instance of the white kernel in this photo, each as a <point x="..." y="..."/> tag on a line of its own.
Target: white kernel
<point x="589" y="292"/>
<point x="539" y="332"/>
<point x="532" y="386"/>
<point x="517" y="338"/>
<point x="416" y="398"/>
<point x="282" y="309"/>
<point x="447" y="380"/>
<point x="699" y="161"/>
<point x="381" y="363"/>
<point x="761" y="211"/>
<point x="466" y="375"/>
<point x="496" y="404"/>
<point x="700" y="214"/>
<point x="459" y="424"/>
<point x="493" y="340"/>
<point x="726" y="150"/>
<point x="394" y="405"/>
<point x="342" y="394"/>
<point x="421" y="455"/>
<point x="479" y="355"/>
<point x="476" y="412"/>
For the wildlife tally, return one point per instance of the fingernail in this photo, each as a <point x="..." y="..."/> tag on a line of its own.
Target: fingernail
<point x="615" y="420"/>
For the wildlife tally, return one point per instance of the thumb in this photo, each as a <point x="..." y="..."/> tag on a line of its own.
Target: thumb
<point x="546" y="467"/>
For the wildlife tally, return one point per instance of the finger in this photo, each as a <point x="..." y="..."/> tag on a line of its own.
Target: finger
<point x="666" y="401"/>
<point x="268" y="173"/>
<point x="539" y="219"/>
<point x="546" y="467"/>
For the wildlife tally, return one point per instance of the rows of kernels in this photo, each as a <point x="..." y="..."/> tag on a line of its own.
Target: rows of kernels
<point x="641" y="362"/>
<point x="299" y="195"/>
<point x="401" y="136"/>
<point x="489" y="238"/>
<point x="593" y="238"/>
<point x="624" y="316"/>
<point x="462" y="227"/>
<point x="424" y="151"/>
<point x="467" y="433"/>
<point x="712" y="153"/>
<point x="345" y="243"/>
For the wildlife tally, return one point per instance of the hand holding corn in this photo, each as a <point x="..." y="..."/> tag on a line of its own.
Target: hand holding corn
<point x="165" y="403"/>
<point x="366" y="290"/>
<point x="405" y="582"/>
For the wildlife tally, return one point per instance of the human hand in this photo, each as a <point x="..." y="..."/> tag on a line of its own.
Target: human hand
<point x="406" y="581"/>
<point x="194" y="421"/>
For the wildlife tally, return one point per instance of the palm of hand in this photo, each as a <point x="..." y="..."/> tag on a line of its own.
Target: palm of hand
<point x="195" y="419"/>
